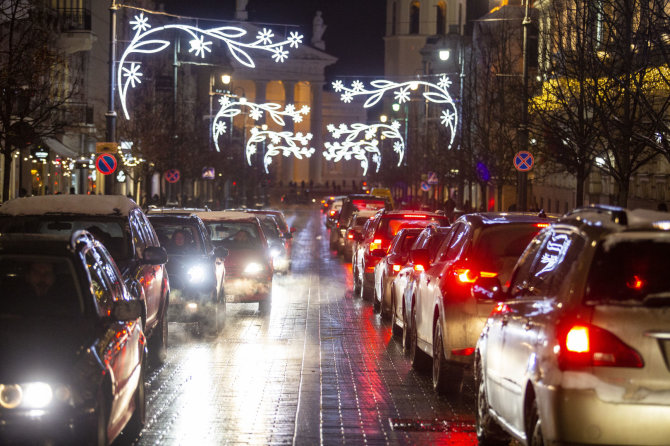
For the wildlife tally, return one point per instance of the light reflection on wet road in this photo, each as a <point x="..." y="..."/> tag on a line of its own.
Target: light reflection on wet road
<point x="320" y="368"/>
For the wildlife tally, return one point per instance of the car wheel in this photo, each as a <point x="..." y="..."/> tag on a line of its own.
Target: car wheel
<point x="159" y="341"/>
<point x="376" y="304"/>
<point x="395" y="328"/>
<point x="446" y="378"/>
<point x="357" y="284"/>
<point x="405" y="333"/>
<point x="488" y="431"/>
<point x="416" y="356"/>
<point x="139" y="418"/>
<point x="534" y="434"/>
<point x="264" y="306"/>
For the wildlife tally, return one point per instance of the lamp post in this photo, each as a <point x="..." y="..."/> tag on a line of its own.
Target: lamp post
<point x="110" y="116"/>
<point x="522" y="189"/>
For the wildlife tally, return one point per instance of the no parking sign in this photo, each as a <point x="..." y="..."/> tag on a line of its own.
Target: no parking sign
<point x="105" y="163"/>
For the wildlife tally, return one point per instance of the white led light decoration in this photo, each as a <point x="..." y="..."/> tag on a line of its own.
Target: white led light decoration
<point x="294" y="144"/>
<point x="231" y="106"/>
<point x="436" y="93"/>
<point x="144" y="41"/>
<point x="361" y="140"/>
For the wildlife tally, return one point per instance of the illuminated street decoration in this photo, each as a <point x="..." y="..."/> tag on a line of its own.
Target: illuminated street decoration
<point x="361" y="140"/>
<point x="144" y="41"/>
<point x="435" y="93"/>
<point x="231" y="107"/>
<point x="293" y="144"/>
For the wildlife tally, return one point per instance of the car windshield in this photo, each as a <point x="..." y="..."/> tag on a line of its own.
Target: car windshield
<point x="498" y="247"/>
<point x="109" y="231"/>
<point x="234" y="234"/>
<point x="631" y="272"/>
<point x="38" y="287"/>
<point x="368" y="205"/>
<point x="389" y="227"/>
<point x="178" y="238"/>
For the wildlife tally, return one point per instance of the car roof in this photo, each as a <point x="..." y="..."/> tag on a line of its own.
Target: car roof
<point x="173" y="210"/>
<point x="493" y="218"/>
<point x="398" y="212"/>
<point x="226" y="215"/>
<point x="39" y="244"/>
<point x="175" y="218"/>
<point x="109" y="205"/>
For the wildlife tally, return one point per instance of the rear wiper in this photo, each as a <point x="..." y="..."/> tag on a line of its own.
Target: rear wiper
<point x="657" y="299"/>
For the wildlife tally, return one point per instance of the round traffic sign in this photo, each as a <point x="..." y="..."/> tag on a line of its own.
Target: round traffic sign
<point x="523" y="161"/>
<point x="172" y="175"/>
<point x="425" y="186"/>
<point x="105" y="163"/>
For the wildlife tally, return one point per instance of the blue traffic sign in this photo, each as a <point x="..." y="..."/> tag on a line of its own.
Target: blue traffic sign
<point x="172" y="175"/>
<point x="425" y="186"/>
<point x="105" y="163"/>
<point x="432" y="178"/>
<point x="523" y="161"/>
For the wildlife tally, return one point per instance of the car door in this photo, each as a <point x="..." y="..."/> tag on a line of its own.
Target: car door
<point x="532" y="312"/>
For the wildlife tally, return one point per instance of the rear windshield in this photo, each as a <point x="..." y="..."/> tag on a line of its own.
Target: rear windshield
<point x="389" y="227"/>
<point x="109" y="231"/>
<point x="368" y="205"/>
<point x="498" y="247"/>
<point x="38" y="287"/>
<point x="631" y="272"/>
<point x="178" y="238"/>
<point x="234" y="234"/>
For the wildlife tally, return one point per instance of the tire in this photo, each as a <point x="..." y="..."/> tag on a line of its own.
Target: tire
<point x="534" y="434"/>
<point x="376" y="304"/>
<point x="416" y="356"/>
<point x="446" y="378"/>
<point x="158" y="343"/>
<point x="405" y="333"/>
<point x="139" y="418"/>
<point x="357" y="284"/>
<point x="395" y="329"/>
<point x="264" y="306"/>
<point x="489" y="433"/>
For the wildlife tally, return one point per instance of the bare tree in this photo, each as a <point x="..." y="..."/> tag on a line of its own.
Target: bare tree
<point x="32" y="95"/>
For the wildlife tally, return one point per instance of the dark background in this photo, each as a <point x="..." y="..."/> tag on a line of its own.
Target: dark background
<point x="354" y="33"/>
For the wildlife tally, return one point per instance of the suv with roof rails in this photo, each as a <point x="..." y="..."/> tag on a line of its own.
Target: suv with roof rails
<point x="577" y="347"/>
<point x="352" y="203"/>
<point x="119" y="223"/>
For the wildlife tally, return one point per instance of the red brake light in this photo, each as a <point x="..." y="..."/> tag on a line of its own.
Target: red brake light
<point x="418" y="267"/>
<point x="396" y="268"/>
<point x="500" y="308"/>
<point x="636" y="283"/>
<point x="542" y="225"/>
<point x="585" y="345"/>
<point x="466" y="275"/>
<point x="463" y="351"/>
<point x="414" y="216"/>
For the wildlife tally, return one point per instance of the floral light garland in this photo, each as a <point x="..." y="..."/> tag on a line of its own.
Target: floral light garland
<point x="274" y="148"/>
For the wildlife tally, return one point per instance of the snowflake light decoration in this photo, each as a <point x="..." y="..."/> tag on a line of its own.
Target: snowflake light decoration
<point x="437" y="93"/>
<point x="145" y="42"/>
<point x="231" y="107"/>
<point x="294" y="144"/>
<point x="361" y="140"/>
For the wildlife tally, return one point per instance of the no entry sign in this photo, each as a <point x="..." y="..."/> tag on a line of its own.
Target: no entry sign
<point x="172" y="175"/>
<point x="523" y="161"/>
<point x="105" y="163"/>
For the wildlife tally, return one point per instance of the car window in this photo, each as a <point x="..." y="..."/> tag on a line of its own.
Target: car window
<point x="38" y="286"/>
<point x="390" y="226"/>
<point x="99" y="286"/>
<point x="526" y="265"/>
<point x="454" y="242"/>
<point x="111" y="272"/>
<point x="630" y="272"/>
<point x="178" y="237"/>
<point x="148" y="233"/>
<point x="235" y="234"/>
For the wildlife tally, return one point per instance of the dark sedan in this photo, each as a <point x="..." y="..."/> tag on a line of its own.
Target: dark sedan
<point x="71" y="342"/>
<point x="196" y="271"/>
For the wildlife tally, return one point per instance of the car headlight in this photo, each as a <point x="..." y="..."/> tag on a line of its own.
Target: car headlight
<point x="196" y="274"/>
<point x="253" y="268"/>
<point x="275" y="252"/>
<point x="33" y="395"/>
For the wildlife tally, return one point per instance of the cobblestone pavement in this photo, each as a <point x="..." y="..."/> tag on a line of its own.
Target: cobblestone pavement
<point x="321" y="368"/>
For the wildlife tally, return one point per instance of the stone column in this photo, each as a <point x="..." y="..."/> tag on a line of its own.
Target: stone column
<point x="316" y="121"/>
<point x="287" y="162"/>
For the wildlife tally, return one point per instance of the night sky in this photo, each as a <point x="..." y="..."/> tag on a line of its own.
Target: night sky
<point x="354" y="34"/>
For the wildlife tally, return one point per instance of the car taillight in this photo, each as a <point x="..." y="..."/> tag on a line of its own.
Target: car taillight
<point x="500" y="308"/>
<point x="396" y="268"/>
<point x="414" y="216"/>
<point x="332" y="212"/>
<point x="542" y="225"/>
<point x="418" y="267"/>
<point x="376" y="244"/>
<point x="466" y="275"/>
<point x="585" y="345"/>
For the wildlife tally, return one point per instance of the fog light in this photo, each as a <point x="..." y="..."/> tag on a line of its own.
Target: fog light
<point x="192" y="306"/>
<point x="10" y="395"/>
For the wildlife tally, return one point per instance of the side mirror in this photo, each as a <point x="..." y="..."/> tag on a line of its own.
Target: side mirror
<point x="488" y="289"/>
<point x="420" y="257"/>
<point x="154" y="255"/>
<point x="220" y="252"/>
<point x="126" y="310"/>
<point x="378" y="252"/>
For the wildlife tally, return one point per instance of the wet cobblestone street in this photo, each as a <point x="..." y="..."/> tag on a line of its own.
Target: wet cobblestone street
<point x="320" y="368"/>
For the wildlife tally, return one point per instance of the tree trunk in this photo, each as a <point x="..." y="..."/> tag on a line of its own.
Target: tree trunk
<point x="622" y="193"/>
<point x="7" y="165"/>
<point x="581" y="178"/>
<point x="500" y="196"/>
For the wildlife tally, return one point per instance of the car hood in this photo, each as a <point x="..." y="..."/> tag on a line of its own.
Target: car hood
<point x="40" y="349"/>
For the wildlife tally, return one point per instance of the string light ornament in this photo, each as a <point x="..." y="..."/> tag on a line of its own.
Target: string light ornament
<point x="361" y="141"/>
<point x="145" y="42"/>
<point x="436" y="93"/>
<point x="293" y="144"/>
